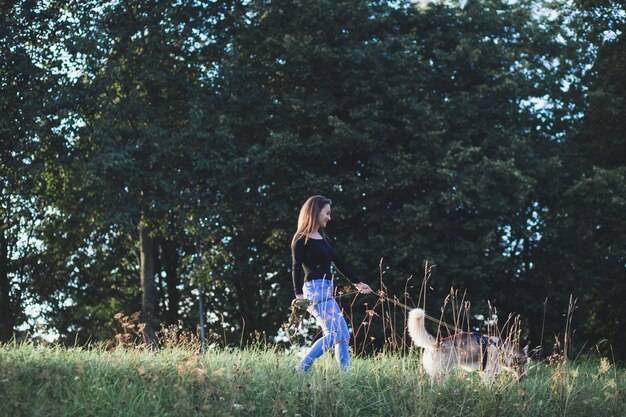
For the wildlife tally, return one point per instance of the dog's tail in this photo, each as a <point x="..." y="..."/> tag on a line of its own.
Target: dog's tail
<point x="418" y="332"/>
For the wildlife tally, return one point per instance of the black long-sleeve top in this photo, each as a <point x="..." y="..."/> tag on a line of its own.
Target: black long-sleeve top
<point x="313" y="260"/>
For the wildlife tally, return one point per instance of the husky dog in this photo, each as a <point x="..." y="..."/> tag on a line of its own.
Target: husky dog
<point x="467" y="351"/>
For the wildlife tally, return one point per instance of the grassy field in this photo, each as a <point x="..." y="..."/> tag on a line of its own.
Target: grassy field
<point x="54" y="381"/>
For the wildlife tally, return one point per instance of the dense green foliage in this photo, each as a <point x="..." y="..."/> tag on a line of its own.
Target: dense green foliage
<point x="260" y="382"/>
<point x="149" y="148"/>
<point x="25" y="103"/>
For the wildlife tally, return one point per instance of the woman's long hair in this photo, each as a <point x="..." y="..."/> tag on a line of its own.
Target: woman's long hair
<point x="309" y="217"/>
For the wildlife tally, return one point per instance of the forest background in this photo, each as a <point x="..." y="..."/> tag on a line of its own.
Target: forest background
<point x="154" y="152"/>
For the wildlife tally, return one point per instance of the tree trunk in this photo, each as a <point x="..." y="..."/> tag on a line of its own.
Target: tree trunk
<point x="7" y="318"/>
<point x="170" y="265"/>
<point x="149" y="297"/>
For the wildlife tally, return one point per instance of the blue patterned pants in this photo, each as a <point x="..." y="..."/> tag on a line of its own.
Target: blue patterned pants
<point x="328" y="314"/>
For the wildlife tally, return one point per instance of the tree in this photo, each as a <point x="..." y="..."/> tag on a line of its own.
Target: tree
<point x="413" y="120"/>
<point x="585" y="232"/>
<point x="24" y="27"/>
<point x="144" y="139"/>
<point x="187" y="134"/>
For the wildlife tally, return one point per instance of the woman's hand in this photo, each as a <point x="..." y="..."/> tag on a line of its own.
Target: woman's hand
<point x="363" y="288"/>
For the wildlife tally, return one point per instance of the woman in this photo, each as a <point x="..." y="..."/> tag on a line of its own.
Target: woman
<point x="312" y="256"/>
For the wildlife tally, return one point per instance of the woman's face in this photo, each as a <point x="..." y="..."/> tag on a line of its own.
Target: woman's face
<point x="324" y="216"/>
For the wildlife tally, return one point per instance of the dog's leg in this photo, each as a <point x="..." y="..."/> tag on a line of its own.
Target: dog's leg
<point x="494" y="362"/>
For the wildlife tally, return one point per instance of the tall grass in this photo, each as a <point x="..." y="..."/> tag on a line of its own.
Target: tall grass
<point x="122" y="378"/>
<point x="259" y="381"/>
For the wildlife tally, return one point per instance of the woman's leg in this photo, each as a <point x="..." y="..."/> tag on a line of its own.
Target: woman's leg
<point x="342" y="353"/>
<point x="328" y="314"/>
<point x="317" y="350"/>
